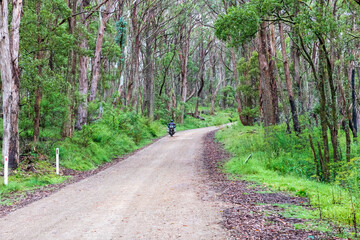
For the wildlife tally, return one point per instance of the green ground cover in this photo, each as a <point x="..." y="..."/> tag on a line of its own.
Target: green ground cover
<point x="284" y="162"/>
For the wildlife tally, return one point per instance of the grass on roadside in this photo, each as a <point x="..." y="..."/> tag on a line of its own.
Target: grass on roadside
<point x="333" y="202"/>
<point x="118" y="133"/>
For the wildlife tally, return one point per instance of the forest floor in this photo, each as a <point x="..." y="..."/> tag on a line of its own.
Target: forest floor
<point x="253" y="211"/>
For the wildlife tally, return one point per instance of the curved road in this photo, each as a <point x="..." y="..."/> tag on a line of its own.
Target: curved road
<point x="154" y="194"/>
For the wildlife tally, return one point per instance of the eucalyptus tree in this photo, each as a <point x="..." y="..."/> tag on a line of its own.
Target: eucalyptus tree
<point x="316" y="29"/>
<point x="105" y="16"/>
<point x="10" y="76"/>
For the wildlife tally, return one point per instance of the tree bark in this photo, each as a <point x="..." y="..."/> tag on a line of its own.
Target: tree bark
<point x="97" y="56"/>
<point x="314" y="155"/>
<point x="149" y="76"/>
<point x="38" y="94"/>
<point x="295" y="55"/>
<point x="69" y="118"/>
<point x="134" y="82"/>
<point x="200" y="75"/>
<point x="323" y="117"/>
<point x="37" y="104"/>
<point x="238" y="100"/>
<point x="289" y="87"/>
<point x="10" y="76"/>
<point x="218" y="86"/>
<point x="82" y="113"/>
<point x="273" y="73"/>
<point x="184" y="58"/>
<point x="266" y="101"/>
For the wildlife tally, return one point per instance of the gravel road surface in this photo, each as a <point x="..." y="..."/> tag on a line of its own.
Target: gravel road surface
<point x="155" y="194"/>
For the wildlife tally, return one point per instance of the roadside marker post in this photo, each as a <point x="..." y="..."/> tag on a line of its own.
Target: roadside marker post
<point x="6" y="170"/>
<point x="57" y="161"/>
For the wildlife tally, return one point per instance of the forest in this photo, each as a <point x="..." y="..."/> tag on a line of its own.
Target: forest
<point x="100" y="78"/>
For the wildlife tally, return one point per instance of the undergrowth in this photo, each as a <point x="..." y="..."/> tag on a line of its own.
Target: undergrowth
<point x="284" y="162"/>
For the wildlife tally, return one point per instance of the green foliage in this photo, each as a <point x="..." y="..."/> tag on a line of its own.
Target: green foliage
<point x="116" y="134"/>
<point x="41" y="173"/>
<point x="238" y="25"/>
<point x="249" y="84"/>
<point x="226" y="95"/>
<point x="220" y="118"/>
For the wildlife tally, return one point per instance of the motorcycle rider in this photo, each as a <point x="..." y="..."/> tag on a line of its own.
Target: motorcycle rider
<point x="171" y="123"/>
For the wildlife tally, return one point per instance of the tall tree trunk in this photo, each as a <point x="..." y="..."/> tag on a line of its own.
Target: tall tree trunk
<point x="242" y="118"/>
<point x="218" y="86"/>
<point x="68" y="122"/>
<point x="266" y="101"/>
<point x="81" y="119"/>
<point x="333" y="124"/>
<point x="295" y="55"/>
<point x="134" y="81"/>
<point x="10" y="76"/>
<point x="82" y="113"/>
<point x="200" y="76"/>
<point x="149" y="76"/>
<point x="288" y="81"/>
<point x="323" y="116"/>
<point x="353" y="97"/>
<point x="38" y="94"/>
<point x="173" y="99"/>
<point x="37" y="104"/>
<point x="97" y="56"/>
<point x="122" y="61"/>
<point x="184" y="58"/>
<point x="273" y="73"/>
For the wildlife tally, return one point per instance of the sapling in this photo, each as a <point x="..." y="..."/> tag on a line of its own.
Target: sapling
<point x="319" y="205"/>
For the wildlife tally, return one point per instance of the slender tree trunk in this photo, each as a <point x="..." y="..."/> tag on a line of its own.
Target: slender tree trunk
<point x="184" y="58"/>
<point x="323" y="117"/>
<point x="353" y="97"/>
<point x="38" y="95"/>
<point x="122" y="61"/>
<point x="81" y="118"/>
<point x="212" y="70"/>
<point x="242" y="118"/>
<point x="314" y="155"/>
<point x="69" y="118"/>
<point x="10" y="76"/>
<point x="201" y="77"/>
<point x="149" y="76"/>
<point x="273" y="73"/>
<point x="295" y="55"/>
<point x="37" y="104"/>
<point x="173" y="99"/>
<point x="97" y="59"/>
<point x="134" y="81"/>
<point x="218" y="86"/>
<point x="333" y="124"/>
<point x="288" y="81"/>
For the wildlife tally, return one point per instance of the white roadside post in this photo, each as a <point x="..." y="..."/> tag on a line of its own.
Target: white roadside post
<point x="6" y="170"/>
<point x="57" y="161"/>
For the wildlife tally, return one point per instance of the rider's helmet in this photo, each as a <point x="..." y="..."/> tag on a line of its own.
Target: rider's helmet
<point x="172" y="120"/>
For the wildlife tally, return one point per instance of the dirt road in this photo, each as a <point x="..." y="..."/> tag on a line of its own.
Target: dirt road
<point x="154" y="194"/>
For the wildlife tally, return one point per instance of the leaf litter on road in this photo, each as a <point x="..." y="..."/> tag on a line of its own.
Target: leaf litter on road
<point x="253" y="211"/>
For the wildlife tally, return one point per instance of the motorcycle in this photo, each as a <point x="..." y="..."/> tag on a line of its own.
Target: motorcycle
<point x="171" y="130"/>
